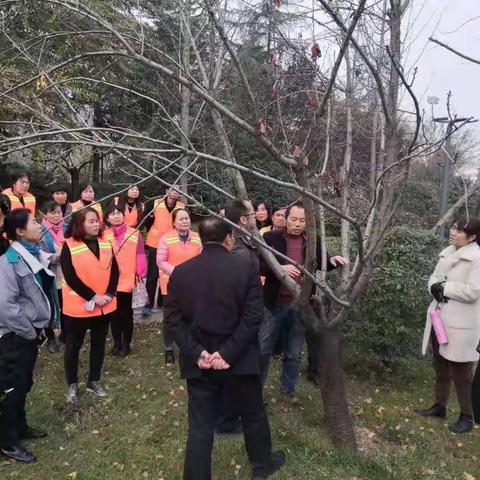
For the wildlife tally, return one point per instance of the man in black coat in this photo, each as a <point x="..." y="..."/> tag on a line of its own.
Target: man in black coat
<point x="215" y="305"/>
<point x="292" y="243"/>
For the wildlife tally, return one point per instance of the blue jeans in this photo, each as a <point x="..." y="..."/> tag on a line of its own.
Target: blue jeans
<point x="284" y="317"/>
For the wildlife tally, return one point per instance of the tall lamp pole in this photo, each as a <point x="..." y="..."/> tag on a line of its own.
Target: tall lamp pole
<point x="446" y="167"/>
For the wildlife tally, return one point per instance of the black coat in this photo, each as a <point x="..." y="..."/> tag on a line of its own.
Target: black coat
<point x="271" y="289"/>
<point x="214" y="303"/>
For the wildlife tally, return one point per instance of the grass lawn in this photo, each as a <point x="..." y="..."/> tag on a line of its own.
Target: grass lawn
<point x="139" y="431"/>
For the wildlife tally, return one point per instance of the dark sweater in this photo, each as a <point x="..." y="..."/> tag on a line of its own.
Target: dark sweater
<point x="272" y="287"/>
<point x="74" y="281"/>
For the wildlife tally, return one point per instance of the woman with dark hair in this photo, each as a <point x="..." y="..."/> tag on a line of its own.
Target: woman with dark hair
<point x="263" y="215"/>
<point x="91" y="275"/>
<point x="27" y="303"/>
<point x="455" y="287"/>
<point x="4" y="209"/>
<point x="59" y="193"/>
<point x="175" y="247"/>
<point x="52" y="239"/>
<point x="18" y="193"/>
<point x="87" y="197"/>
<point x="131" y="205"/>
<point x="129" y="251"/>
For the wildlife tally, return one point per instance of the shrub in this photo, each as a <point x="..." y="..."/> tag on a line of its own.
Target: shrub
<point x="385" y="328"/>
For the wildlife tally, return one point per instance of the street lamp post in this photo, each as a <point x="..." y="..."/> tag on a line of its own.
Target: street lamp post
<point x="446" y="167"/>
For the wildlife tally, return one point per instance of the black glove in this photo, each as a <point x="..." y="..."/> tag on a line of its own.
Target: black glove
<point x="437" y="291"/>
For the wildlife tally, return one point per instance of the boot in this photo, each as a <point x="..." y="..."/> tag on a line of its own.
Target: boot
<point x="463" y="425"/>
<point x="52" y="346"/>
<point x="277" y="461"/>
<point x="116" y="350"/>
<point x="439" y="411"/>
<point x="169" y="357"/>
<point x="125" y="350"/>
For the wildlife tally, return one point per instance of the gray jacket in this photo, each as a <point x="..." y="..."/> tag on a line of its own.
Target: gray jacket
<point x="24" y="306"/>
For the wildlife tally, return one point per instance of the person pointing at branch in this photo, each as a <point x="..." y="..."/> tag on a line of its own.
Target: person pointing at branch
<point x="292" y="242"/>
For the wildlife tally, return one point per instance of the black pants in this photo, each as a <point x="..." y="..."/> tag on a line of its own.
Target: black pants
<point x="476" y="395"/>
<point x="122" y="323"/>
<point x="49" y="332"/>
<point x="152" y="277"/>
<point x="204" y="397"/>
<point x="447" y="371"/>
<point x="76" y="328"/>
<point x="168" y="333"/>
<point x="17" y="359"/>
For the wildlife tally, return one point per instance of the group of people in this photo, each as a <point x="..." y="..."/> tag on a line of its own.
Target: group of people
<point x="68" y="268"/>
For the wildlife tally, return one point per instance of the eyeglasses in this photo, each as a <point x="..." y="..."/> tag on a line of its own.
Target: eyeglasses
<point x="249" y="214"/>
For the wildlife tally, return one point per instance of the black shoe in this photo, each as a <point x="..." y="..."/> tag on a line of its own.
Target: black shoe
<point x="124" y="351"/>
<point x="33" y="434"/>
<point x="436" y="411"/>
<point x="52" y="346"/>
<point x="169" y="357"/>
<point x="277" y="461"/>
<point x="116" y="349"/>
<point x="19" y="454"/>
<point x="313" y="378"/>
<point x="464" y="424"/>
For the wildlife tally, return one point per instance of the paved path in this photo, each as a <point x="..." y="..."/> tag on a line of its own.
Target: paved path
<point x="155" y="317"/>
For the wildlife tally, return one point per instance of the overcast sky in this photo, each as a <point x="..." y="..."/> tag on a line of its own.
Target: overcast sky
<point x="456" y="23"/>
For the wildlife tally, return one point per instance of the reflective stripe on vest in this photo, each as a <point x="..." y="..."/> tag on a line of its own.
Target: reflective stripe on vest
<point x="130" y="217"/>
<point x="94" y="273"/>
<point x="78" y="205"/>
<point x="28" y="199"/>
<point x="179" y="252"/>
<point x="163" y="222"/>
<point x="126" y="258"/>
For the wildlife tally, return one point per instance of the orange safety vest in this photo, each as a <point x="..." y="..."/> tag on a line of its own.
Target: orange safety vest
<point x="130" y="217"/>
<point x="93" y="272"/>
<point x="162" y="223"/>
<point x="179" y="252"/>
<point x="126" y="257"/>
<point x="28" y="199"/>
<point x="78" y="205"/>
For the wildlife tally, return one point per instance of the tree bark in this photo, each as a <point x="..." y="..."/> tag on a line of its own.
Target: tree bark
<point x="186" y="96"/>
<point x="332" y="389"/>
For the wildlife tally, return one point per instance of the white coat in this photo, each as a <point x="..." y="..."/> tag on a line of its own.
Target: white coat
<point x="460" y="270"/>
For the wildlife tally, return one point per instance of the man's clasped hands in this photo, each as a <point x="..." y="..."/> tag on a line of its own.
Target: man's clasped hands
<point x="213" y="361"/>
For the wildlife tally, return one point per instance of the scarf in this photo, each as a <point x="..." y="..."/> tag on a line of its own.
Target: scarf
<point x="56" y="231"/>
<point x="32" y="248"/>
<point x="119" y="233"/>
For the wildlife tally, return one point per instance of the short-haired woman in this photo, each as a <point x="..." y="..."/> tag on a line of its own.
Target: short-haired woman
<point x="87" y="198"/>
<point x="455" y="286"/>
<point x="52" y="239"/>
<point x="27" y="303"/>
<point x="19" y="195"/>
<point x="175" y="247"/>
<point x="91" y="276"/>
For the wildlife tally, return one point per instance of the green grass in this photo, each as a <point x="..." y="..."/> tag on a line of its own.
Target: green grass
<point x="139" y="431"/>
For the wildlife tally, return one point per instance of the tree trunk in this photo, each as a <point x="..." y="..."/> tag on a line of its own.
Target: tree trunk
<point x="228" y="153"/>
<point x="97" y="156"/>
<point x="75" y="182"/>
<point x="332" y="389"/>
<point x="345" y="172"/>
<point x="186" y="96"/>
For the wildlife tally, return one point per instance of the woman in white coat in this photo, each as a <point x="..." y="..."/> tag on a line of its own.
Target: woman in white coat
<point x="455" y="286"/>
